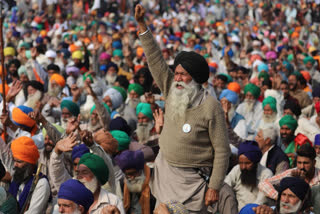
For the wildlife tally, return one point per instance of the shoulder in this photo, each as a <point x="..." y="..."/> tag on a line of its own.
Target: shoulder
<point x="108" y="197"/>
<point x="264" y="171"/>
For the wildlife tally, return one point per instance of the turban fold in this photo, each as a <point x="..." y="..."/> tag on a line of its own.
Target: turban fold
<point x="231" y="96"/>
<point x="298" y="186"/>
<point x="75" y="191"/>
<point x="78" y="151"/>
<point x="105" y="105"/>
<point x="77" y="55"/>
<point x="117" y="95"/>
<point x="225" y="77"/>
<point x="251" y="150"/>
<point x="234" y="86"/>
<point x="71" y="106"/>
<point x="289" y="121"/>
<point x="58" y="79"/>
<point x="272" y="103"/>
<point x="317" y="140"/>
<point x="22" y="70"/>
<point x="263" y="67"/>
<point x="72" y="69"/>
<point x="194" y="64"/>
<point x="309" y="59"/>
<point x="145" y="108"/>
<point x="253" y="89"/>
<point x="130" y="160"/>
<point x="117" y="52"/>
<point x="20" y="118"/>
<point x="97" y="166"/>
<point x="293" y="106"/>
<point x="288" y="66"/>
<point x="104" y="56"/>
<point x="271" y="55"/>
<point x="122" y="138"/>
<point x="9" y="51"/>
<point x="120" y="124"/>
<point x="24" y="148"/>
<point x="136" y="88"/>
<point x="306" y="75"/>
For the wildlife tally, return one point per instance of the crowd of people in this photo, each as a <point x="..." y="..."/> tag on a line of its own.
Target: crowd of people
<point x="166" y="107"/>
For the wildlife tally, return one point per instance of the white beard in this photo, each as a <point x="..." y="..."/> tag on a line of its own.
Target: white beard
<point x="269" y="118"/>
<point x="54" y="92"/>
<point x="136" y="184"/>
<point x="64" y="123"/>
<point x="143" y="131"/>
<point x="291" y="209"/>
<point x="90" y="185"/>
<point x="33" y="99"/>
<point x="95" y="127"/>
<point x="179" y="99"/>
<point x="111" y="78"/>
<point x="249" y="104"/>
<point x="133" y="102"/>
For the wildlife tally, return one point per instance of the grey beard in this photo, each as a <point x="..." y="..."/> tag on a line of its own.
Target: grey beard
<point x="33" y="99"/>
<point x="94" y="128"/>
<point x="135" y="185"/>
<point x="269" y="118"/>
<point x="249" y="104"/>
<point x="133" y="102"/>
<point x="231" y="113"/>
<point x="90" y="185"/>
<point x="64" y="123"/>
<point x="143" y="131"/>
<point x="291" y="209"/>
<point x="179" y="100"/>
<point x="111" y="78"/>
<point x="54" y="92"/>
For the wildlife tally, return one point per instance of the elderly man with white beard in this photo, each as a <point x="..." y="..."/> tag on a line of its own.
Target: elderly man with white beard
<point x="237" y="122"/>
<point x="251" y="109"/>
<point x="269" y="116"/>
<point x="35" y="93"/>
<point x="194" y="154"/>
<point x="136" y="190"/>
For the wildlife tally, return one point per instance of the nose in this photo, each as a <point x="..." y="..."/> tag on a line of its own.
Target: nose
<point x="178" y="78"/>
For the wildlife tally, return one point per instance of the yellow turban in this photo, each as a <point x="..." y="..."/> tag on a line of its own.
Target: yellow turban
<point x="9" y="51"/>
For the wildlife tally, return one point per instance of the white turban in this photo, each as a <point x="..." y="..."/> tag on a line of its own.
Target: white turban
<point x="115" y="96"/>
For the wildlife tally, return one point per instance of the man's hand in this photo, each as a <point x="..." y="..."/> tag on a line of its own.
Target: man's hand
<point x="14" y="90"/>
<point x="161" y="209"/>
<point x="66" y="144"/>
<point x="298" y="173"/>
<point x="86" y="137"/>
<point x="89" y="89"/>
<point x="139" y="16"/>
<point x="159" y="120"/>
<point x="211" y="197"/>
<point x="263" y="209"/>
<point x="75" y="92"/>
<point x="73" y="124"/>
<point x="54" y="101"/>
<point x="110" y="209"/>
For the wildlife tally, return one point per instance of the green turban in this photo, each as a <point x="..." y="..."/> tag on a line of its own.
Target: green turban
<point x="71" y="106"/>
<point x="289" y="121"/>
<point x="145" y="108"/>
<point x="97" y="166"/>
<point x="59" y="128"/>
<point x="122" y="92"/>
<point x="117" y="52"/>
<point x="290" y="57"/>
<point x="297" y="74"/>
<point x="105" y="105"/>
<point x="308" y="59"/>
<point x="86" y="76"/>
<point x="136" y="88"/>
<point x="122" y="138"/>
<point x="229" y="78"/>
<point x="253" y="89"/>
<point x="272" y="103"/>
<point x="264" y="75"/>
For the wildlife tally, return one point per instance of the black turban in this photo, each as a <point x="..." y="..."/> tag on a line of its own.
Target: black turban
<point x="53" y="67"/>
<point x="293" y="106"/>
<point x="194" y="64"/>
<point x="35" y="84"/>
<point x="316" y="91"/>
<point x="298" y="186"/>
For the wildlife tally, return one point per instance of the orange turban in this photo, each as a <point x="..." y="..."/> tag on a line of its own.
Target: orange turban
<point x="139" y="51"/>
<point x="6" y="88"/>
<point x="295" y="35"/>
<point x="20" y="118"/>
<point x="306" y="75"/>
<point x="58" y="79"/>
<point x="23" y="148"/>
<point x="234" y="86"/>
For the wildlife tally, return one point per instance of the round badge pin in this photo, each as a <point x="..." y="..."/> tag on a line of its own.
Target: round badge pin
<point x="186" y="128"/>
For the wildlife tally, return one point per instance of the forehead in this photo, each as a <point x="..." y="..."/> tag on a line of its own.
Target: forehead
<point x="65" y="201"/>
<point x="180" y="69"/>
<point x="244" y="159"/>
<point x="142" y="116"/>
<point x="83" y="167"/>
<point x="288" y="192"/>
<point x="303" y="159"/>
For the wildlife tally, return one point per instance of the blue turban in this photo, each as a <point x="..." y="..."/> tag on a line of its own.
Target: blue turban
<point x="316" y="92"/>
<point x="130" y="160"/>
<point x="263" y="67"/>
<point x="288" y="66"/>
<point x="251" y="150"/>
<point x="117" y="44"/>
<point x="78" y="151"/>
<point x="317" y="140"/>
<point x="120" y="124"/>
<point x="75" y="191"/>
<point x="231" y="96"/>
<point x="230" y="52"/>
<point x="248" y="209"/>
<point x="298" y="186"/>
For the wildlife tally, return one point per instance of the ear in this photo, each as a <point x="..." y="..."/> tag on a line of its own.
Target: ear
<point x="81" y="209"/>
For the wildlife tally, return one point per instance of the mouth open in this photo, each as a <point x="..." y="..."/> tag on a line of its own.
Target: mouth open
<point x="179" y="86"/>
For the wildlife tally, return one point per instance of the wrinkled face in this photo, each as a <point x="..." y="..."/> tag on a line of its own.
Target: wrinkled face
<point x="245" y="163"/>
<point x="259" y="139"/>
<point x="67" y="206"/>
<point x="287" y="196"/>
<point x="94" y="117"/>
<point x="31" y="90"/>
<point x="267" y="110"/>
<point x="292" y="80"/>
<point x="142" y="118"/>
<point x="305" y="164"/>
<point x="23" y="78"/>
<point x="224" y="101"/>
<point x="133" y="94"/>
<point x="249" y="96"/>
<point x="285" y="131"/>
<point x="181" y="75"/>
<point x="132" y="173"/>
<point x="107" y="100"/>
<point x="83" y="172"/>
<point x="112" y="70"/>
<point x="65" y="113"/>
<point x="48" y="144"/>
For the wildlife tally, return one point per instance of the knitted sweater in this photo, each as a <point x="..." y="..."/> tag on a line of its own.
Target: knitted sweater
<point x="206" y="144"/>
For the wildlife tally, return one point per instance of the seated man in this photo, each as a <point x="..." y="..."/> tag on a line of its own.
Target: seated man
<point x="295" y="196"/>
<point x="245" y="177"/>
<point x="74" y="197"/>
<point x="136" y="190"/>
<point x="305" y="169"/>
<point x="269" y="116"/>
<point x="273" y="157"/>
<point x="114" y="97"/>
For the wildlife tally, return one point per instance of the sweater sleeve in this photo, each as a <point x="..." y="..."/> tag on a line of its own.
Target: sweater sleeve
<point x="159" y="69"/>
<point x="220" y="143"/>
